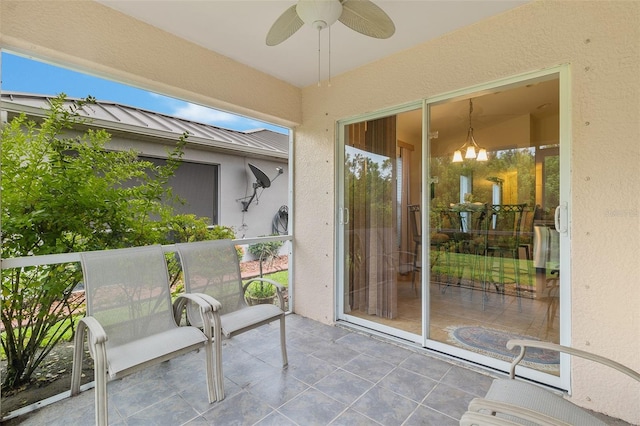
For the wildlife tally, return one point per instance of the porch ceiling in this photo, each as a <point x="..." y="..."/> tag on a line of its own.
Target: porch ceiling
<point x="237" y="29"/>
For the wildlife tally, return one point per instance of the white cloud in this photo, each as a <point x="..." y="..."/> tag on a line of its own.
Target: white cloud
<point x="206" y="115"/>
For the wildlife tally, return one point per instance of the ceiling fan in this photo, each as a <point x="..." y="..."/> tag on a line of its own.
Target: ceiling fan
<point x="362" y="16"/>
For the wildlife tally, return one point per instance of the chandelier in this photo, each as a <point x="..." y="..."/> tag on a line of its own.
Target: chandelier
<point x="470" y="147"/>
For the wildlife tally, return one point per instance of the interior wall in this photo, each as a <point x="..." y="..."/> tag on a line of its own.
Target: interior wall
<point x="601" y="42"/>
<point x="235" y="183"/>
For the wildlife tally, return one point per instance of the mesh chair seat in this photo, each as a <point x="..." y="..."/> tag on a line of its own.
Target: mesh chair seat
<point x="235" y="322"/>
<point x="153" y="349"/>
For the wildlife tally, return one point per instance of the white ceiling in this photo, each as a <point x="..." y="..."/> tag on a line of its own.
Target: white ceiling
<point x="237" y="29"/>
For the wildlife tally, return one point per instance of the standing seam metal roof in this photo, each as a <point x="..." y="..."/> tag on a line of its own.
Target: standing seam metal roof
<point x="112" y="115"/>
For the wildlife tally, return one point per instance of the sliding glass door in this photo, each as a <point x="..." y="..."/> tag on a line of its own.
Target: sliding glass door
<point x="494" y="245"/>
<point x="380" y="261"/>
<point x="452" y="221"/>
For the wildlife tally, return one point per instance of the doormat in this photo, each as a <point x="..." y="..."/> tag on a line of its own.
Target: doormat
<point x="493" y="343"/>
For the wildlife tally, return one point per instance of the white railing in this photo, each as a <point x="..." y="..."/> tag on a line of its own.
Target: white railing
<point x="52" y="259"/>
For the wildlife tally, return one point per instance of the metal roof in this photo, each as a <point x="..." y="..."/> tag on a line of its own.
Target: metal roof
<point x="122" y="118"/>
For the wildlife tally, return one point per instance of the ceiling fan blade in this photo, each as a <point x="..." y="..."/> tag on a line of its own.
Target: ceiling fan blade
<point x="366" y="18"/>
<point x="284" y="27"/>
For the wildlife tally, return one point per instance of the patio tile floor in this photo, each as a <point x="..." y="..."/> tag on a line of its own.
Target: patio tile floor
<point x="336" y="376"/>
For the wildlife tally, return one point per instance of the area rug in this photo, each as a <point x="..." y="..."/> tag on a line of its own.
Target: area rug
<point x="493" y="343"/>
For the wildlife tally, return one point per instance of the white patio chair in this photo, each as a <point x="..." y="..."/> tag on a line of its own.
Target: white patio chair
<point x="511" y="401"/>
<point x="130" y="322"/>
<point x="212" y="268"/>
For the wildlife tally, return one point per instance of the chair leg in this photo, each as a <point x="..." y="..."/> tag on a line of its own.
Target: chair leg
<point x="516" y="266"/>
<point x="218" y="374"/>
<point x="211" y="375"/>
<point x="415" y="267"/>
<point x="283" y="343"/>
<point x="100" y="375"/>
<point x="444" y="249"/>
<point x="76" y="369"/>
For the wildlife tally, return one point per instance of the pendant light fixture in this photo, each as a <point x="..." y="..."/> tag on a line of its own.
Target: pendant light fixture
<point x="470" y="147"/>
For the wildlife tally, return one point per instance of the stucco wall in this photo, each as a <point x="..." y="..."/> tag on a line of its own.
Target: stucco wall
<point x="235" y="182"/>
<point x="601" y="42"/>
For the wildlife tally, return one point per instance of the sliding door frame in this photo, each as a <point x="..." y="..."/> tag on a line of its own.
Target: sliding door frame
<point x="341" y="216"/>
<point x="563" y="218"/>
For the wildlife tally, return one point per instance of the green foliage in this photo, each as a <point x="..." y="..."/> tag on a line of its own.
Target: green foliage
<point x="281" y="276"/>
<point x="66" y="336"/>
<point x="265" y="251"/>
<point x="502" y="164"/>
<point x="187" y="228"/>
<point x="370" y="182"/>
<point x="261" y="290"/>
<point x="62" y="192"/>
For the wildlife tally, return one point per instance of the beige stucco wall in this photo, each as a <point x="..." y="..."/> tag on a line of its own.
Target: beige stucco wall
<point x="601" y="41"/>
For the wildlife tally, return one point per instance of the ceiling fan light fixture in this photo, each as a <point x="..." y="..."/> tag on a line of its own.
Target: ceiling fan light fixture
<point x="319" y="14"/>
<point x="362" y="16"/>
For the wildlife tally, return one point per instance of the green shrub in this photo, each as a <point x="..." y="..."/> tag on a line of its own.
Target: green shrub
<point x="265" y="251"/>
<point x="65" y="192"/>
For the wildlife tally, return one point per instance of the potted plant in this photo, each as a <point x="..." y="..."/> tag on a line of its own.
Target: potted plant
<point x="262" y="291"/>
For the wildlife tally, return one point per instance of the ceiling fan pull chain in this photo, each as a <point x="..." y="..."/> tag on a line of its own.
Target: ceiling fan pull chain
<point x="329" y="84"/>
<point x="319" y="29"/>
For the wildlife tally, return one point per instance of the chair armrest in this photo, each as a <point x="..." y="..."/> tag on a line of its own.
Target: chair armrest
<point x="277" y="285"/>
<point x="209" y="308"/>
<point x="493" y="408"/>
<point x="97" y="333"/>
<point x="96" y="339"/>
<point x="210" y="300"/>
<point x="524" y="344"/>
<point x="206" y="302"/>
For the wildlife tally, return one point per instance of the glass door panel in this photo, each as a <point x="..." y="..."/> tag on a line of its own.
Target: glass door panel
<point x="493" y="248"/>
<point x="381" y="241"/>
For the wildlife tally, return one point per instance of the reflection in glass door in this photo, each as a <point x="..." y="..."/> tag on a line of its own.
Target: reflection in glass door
<point x="381" y="250"/>
<point x="493" y="248"/>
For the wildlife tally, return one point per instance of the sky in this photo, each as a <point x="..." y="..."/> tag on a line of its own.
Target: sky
<point x="20" y="74"/>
